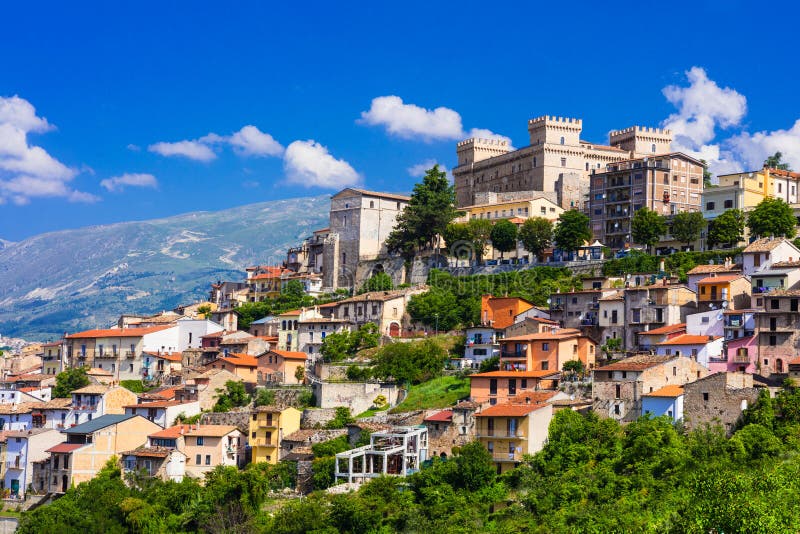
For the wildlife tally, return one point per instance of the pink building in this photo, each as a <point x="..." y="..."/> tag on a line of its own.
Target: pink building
<point x="740" y="352"/>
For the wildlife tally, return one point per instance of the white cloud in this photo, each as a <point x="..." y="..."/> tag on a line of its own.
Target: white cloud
<point x="188" y="149"/>
<point x="410" y="121"/>
<point x="702" y="108"/>
<point x="754" y="148"/>
<point x="249" y="141"/>
<point x="309" y="163"/>
<point x="419" y="170"/>
<point x="28" y="171"/>
<point x="118" y="183"/>
<point x="134" y="148"/>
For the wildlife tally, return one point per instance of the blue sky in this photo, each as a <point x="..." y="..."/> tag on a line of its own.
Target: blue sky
<point x="148" y="109"/>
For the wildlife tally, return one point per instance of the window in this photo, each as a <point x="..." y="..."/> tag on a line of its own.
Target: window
<point x="773" y="341"/>
<point x="493" y="386"/>
<point x="344" y="258"/>
<point x="199" y="440"/>
<point x="208" y="459"/>
<point x="545" y="366"/>
<point x="545" y="346"/>
<point x="198" y="459"/>
<point x="617" y="391"/>
<point x="728" y="204"/>
<point x="774" y="304"/>
<point x="793" y="305"/>
<point x="562" y="142"/>
<point x="705" y="396"/>
<point x="709" y="205"/>
<point x="512" y="386"/>
<point x="534" y="162"/>
<point x="563" y="162"/>
<point x="653" y="148"/>
<point x="371" y="203"/>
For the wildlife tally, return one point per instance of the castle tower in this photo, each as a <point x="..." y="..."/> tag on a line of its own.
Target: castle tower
<point x="475" y="150"/>
<point x="555" y="130"/>
<point x="642" y="140"/>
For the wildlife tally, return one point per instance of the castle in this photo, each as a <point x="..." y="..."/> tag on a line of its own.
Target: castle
<point x="557" y="162"/>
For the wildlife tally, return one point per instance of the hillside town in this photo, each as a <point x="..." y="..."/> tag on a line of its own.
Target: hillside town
<point x="659" y="294"/>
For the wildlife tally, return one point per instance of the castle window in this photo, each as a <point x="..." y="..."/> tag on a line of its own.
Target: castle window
<point x="587" y="165"/>
<point x="563" y="161"/>
<point x="371" y="203"/>
<point x="653" y="148"/>
<point x="562" y="140"/>
<point x="534" y="162"/>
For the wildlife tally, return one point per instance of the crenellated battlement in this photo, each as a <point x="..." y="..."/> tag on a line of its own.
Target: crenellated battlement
<point x="473" y="141"/>
<point x="552" y="119"/>
<point x="640" y="129"/>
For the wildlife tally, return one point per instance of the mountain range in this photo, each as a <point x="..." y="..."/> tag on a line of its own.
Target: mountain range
<point x="71" y="280"/>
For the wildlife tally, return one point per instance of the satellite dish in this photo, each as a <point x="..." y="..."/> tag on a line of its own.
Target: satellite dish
<point x="548" y="301"/>
<point x="712" y="307"/>
<point x="725" y="304"/>
<point x="719" y="316"/>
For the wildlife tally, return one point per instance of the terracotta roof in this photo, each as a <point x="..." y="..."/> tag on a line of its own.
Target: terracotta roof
<point x="171" y="432"/>
<point x="765" y="244"/>
<point x="509" y="410"/>
<point x="516" y="220"/>
<point x="163" y="393"/>
<point x="290" y="354"/>
<point x="215" y="334"/>
<point x="562" y="333"/>
<point x="292" y="313"/>
<point x="149" y="452"/>
<point x="689" y="339"/>
<point x="718" y="268"/>
<point x="783" y="293"/>
<point x="719" y="279"/>
<point x="65" y="447"/>
<point x="377" y="296"/>
<point x="240" y="360"/>
<point x="636" y="363"/>
<point x="212" y="430"/>
<point x="667" y="391"/>
<point x="619" y="295"/>
<point x="96" y="371"/>
<point x="22" y="407"/>
<point x="445" y="416"/>
<point x="117" y="332"/>
<point x="796" y="361"/>
<point x="515" y="374"/>
<point x="537" y="397"/>
<point x="155" y="404"/>
<point x="466" y="405"/>
<point x="55" y="404"/>
<point x="669" y="329"/>
<point x="169" y="356"/>
<point x="93" y="389"/>
<point x="603" y="147"/>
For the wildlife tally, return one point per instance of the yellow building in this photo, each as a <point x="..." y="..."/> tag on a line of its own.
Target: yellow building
<point x="511" y="430"/>
<point x="268" y="426"/>
<point x="287" y="330"/>
<point x="523" y="209"/>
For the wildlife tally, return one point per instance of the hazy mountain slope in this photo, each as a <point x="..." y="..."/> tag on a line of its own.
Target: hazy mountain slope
<point x="73" y="279"/>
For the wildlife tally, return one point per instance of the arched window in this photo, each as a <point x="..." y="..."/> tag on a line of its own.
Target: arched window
<point x="653" y="148"/>
<point x="372" y="202"/>
<point x="562" y="140"/>
<point x="283" y="325"/>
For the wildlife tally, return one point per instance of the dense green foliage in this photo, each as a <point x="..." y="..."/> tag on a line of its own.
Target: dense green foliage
<point x="377" y="282"/>
<point x="292" y="297"/>
<point x="536" y="235"/>
<point x="647" y="227"/>
<point x="137" y="386"/>
<point x="69" y="380"/>
<point x="504" y="236"/>
<point x="677" y="264"/>
<point x="775" y="161"/>
<point x="343" y="345"/>
<point x="727" y="229"/>
<point x="572" y="230"/>
<point x="234" y="395"/>
<point x="437" y="393"/>
<point x="687" y="225"/>
<point x="457" y="300"/>
<point x="772" y="217"/>
<point x="410" y="363"/>
<point x="481" y="232"/>
<point x="341" y="419"/>
<point x="429" y="211"/>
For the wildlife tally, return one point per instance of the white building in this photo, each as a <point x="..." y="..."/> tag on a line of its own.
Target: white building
<point x="22" y="449"/>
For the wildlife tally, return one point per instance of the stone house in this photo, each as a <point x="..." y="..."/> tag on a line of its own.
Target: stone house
<point x="719" y="398"/>
<point x="203" y="387"/>
<point x="648" y="307"/>
<point x="525" y="324"/>
<point x="280" y="366"/>
<point x="453" y="427"/>
<point x="578" y="309"/>
<point x="650" y="338"/>
<point x="618" y="388"/>
<point x="302" y="440"/>
<point x="611" y="314"/>
<point x="777" y="323"/>
<point x="782" y="275"/>
<point x="311" y="332"/>
<point x="154" y="462"/>
<point x="163" y="413"/>
<point x="387" y="309"/>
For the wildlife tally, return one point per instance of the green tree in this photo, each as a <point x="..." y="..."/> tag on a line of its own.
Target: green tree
<point x="481" y="230"/>
<point x="474" y="467"/>
<point x="343" y="345"/>
<point x="574" y="367"/>
<point x="727" y="229"/>
<point x="341" y="419"/>
<point x="410" y="363"/>
<point x="265" y="397"/>
<point x="647" y="227"/>
<point x="490" y="364"/>
<point x="458" y="239"/>
<point x="430" y="209"/>
<point x="536" y="235"/>
<point x="70" y="380"/>
<point x="772" y="217"/>
<point x="232" y="396"/>
<point x="687" y="225"/>
<point x="204" y="310"/>
<point x="379" y="281"/>
<point x="775" y="161"/>
<point x="504" y="236"/>
<point x="706" y="175"/>
<point x="571" y="231"/>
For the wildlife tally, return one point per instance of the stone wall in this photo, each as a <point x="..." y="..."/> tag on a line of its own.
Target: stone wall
<point x="316" y="417"/>
<point x="717" y="399"/>
<point x="240" y="419"/>
<point x="358" y="396"/>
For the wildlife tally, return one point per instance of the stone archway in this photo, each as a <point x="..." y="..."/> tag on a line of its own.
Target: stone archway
<point x="394" y="329"/>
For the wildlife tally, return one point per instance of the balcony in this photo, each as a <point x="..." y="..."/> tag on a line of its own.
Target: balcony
<point x="513" y="354"/>
<point x="556" y="307"/>
<point x="734" y="323"/>
<point x="507" y="457"/>
<point x="588" y="322"/>
<point x="740" y="358"/>
<point x="16" y="462"/>
<point x="129" y="354"/>
<point x="513" y="434"/>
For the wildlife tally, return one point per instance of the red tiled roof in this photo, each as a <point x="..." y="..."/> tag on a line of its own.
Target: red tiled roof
<point x="154" y="404"/>
<point x="563" y="333"/>
<point x="172" y="432"/>
<point x="765" y="244"/>
<point x="719" y="279"/>
<point x="290" y="355"/>
<point x="667" y="391"/>
<point x="636" y="363"/>
<point x="291" y="312"/>
<point x="689" y="339"/>
<point x="240" y="360"/>
<point x="65" y="447"/>
<point x="509" y="410"/>
<point x="117" y="332"/>
<point x="148" y="452"/>
<point x="514" y="374"/>
<point x="169" y="356"/>
<point x="669" y="329"/>
<point x="445" y="416"/>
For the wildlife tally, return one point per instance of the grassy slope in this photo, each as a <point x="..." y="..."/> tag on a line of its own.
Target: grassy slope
<point x="437" y="393"/>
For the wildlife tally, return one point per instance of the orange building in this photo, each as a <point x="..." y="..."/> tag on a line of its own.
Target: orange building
<point x="281" y="366"/>
<point x="547" y="351"/>
<point x="242" y="365"/>
<point x="733" y="288"/>
<point x="499" y="386"/>
<point x="499" y="312"/>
